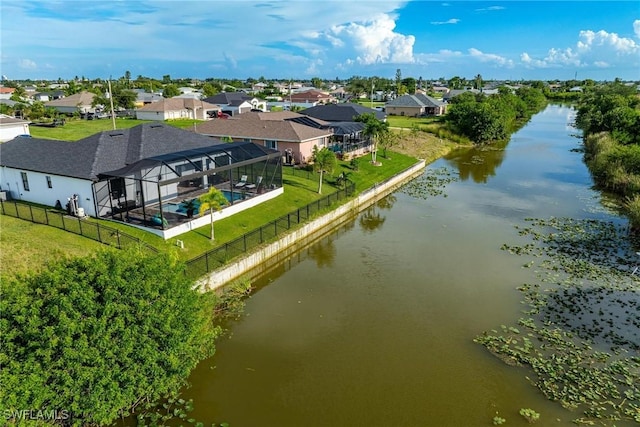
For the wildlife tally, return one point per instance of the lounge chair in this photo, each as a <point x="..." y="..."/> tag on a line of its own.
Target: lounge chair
<point x="242" y="182"/>
<point x="255" y="184"/>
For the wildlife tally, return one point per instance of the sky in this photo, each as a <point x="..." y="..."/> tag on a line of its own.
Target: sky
<point x="301" y="39"/>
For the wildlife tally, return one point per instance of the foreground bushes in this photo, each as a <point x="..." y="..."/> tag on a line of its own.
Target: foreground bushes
<point x="94" y="338"/>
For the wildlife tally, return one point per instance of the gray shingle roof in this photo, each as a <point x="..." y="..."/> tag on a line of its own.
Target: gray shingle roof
<point x="104" y="151"/>
<point x="417" y="100"/>
<point x="261" y="126"/>
<point x="340" y="112"/>
<point x="225" y="98"/>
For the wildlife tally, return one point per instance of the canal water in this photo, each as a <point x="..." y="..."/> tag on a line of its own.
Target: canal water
<point x="373" y="325"/>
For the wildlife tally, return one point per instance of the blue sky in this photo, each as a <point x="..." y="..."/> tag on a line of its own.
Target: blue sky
<point x="298" y="39"/>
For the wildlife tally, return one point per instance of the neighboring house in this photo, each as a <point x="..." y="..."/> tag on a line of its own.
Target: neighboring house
<point x="455" y="92"/>
<point x="10" y="127"/>
<point x="311" y="96"/>
<point x="415" y="106"/>
<point x="141" y="175"/>
<point x="440" y="89"/>
<point x="177" y="108"/>
<point x="79" y="102"/>
<point x="295" y="141"/>
<point x="233" y="103"/>
<point x="143" y="98"/>
<point x="346" y="112"/>
<point x="6" y="92"/>
<point x="48" y="96"/>
<point x="347" y="138"/>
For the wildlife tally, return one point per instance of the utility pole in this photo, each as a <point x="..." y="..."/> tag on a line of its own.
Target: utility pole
<point x="372" y="86"/>
<point x="113" y="116"/>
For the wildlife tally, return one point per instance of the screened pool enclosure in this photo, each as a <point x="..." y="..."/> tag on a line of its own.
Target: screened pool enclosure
<point x="161" y="192"/>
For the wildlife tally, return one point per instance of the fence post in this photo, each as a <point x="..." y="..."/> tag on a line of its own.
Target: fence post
<point x="206" y="260"/>
<point x="118" y="238"/>
<point x="64" y="227"/>
<point x="46" y="216"/>
<point x="31" y="212"/>
<point x="98" y="228"/>
<point x="298" y="212"/>
<point x="275" y="228"/>
<point x="244" y="239"/>
<point x="261" y="239"/>
<point x="80" y="226"/>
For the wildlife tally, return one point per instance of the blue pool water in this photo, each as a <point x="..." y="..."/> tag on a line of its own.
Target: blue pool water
<point x="180" y="208"/>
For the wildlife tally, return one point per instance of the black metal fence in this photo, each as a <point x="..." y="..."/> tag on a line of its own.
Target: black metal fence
<point x="93" y="230"/>
<point x="195" y="267"/>
<point x="215" y="258"/>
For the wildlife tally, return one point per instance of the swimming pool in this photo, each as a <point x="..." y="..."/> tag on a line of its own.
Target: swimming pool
<point x="180" y="208"/>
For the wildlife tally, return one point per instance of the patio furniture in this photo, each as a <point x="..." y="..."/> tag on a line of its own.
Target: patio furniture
<point x="255" y="184"/>
<point x="242" y="182"/>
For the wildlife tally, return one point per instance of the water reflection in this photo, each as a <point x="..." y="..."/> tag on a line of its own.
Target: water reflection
<point x="371" y="219"/>
<point x="478" y="163"/>
<point x="323" y="252"/>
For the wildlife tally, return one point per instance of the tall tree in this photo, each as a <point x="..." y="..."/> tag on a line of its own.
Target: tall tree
<point x="170" y="91"/>
<point x="398" y="78"/>
<point x="213" y="201"/>
<point x="373" y="129"/>
<point x="324" y="161"/>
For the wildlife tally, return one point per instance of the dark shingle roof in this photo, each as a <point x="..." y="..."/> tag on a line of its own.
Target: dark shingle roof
<point x="227" y="98"/>
<point x="340" y="112"/>
<point x="104" y="151"/>
<point x="417" y="100"/>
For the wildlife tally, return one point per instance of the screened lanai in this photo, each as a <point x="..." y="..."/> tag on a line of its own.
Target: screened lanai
<point x="162" y="192"/>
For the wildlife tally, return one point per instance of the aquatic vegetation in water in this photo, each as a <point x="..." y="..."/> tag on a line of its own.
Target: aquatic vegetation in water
<point x="430" y="184"/>
<point x="581" y="333"/>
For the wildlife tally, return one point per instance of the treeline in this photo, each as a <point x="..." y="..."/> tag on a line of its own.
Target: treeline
<point x="485" y="118"/>
<point x="93" y="339"/>
<point x="609" y="117"/>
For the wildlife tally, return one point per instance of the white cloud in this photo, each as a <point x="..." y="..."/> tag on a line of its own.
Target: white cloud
<point x="490" y="57"/>
<point x="636" y="27"/>
<point x="375" y="41"/>
<point x="490" y="8"/>
<point x="450" y="21"/>
<point x="599" y="49"/>
<point x="27" y="64"/>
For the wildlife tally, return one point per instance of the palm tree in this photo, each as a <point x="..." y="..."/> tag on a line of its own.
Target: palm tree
<point x="374" y="129"/>
<point x="324" y="160"/>
<point x="214" y="200"/>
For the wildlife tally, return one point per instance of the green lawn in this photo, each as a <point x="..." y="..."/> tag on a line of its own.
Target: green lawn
<point x="26" y="246"/>
<point x="409" y="122"/>
<point x="75" y="129"/>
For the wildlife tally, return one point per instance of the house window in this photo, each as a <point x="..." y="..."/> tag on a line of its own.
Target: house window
<point x="25" y="181"/>
<point x="247" y="140"/>
<point x="271" y="144"/>
<point x="49" y="184"/>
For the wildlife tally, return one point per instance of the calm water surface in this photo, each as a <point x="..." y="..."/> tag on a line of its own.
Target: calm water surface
<point x="373" y="325"/>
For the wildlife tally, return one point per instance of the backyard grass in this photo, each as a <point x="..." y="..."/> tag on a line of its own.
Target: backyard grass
<point x="26" y="247"/>
<point x="410" y="122"/>
<point x="75" y="129"/>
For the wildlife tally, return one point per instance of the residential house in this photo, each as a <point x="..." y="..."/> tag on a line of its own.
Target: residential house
<point x="346" y="112"/>
<point x="455" y="92"/>
<point x="415" y="106"/>
<point x="276" y="130"/>
<point x="143" y="175"/>
<point x="76" y="103"/>
<point x="177" y="108"/>
<point x="234" y="103"/>
<point x="48" y="95"/>
<point x="311" y="96"/>
<point x="6" y="92"/>
<point x="10" y="127"/>
<point x="143" y="98"/>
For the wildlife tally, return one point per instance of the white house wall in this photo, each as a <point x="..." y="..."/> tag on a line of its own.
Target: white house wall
<point x="62" y="188"/>
<point x="7" y="133"/>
